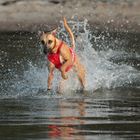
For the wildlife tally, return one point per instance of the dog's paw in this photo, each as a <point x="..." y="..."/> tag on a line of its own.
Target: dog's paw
<point x="64" y="76"/>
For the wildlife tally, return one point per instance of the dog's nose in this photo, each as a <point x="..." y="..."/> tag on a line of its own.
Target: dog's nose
<point x="43" y="42"/>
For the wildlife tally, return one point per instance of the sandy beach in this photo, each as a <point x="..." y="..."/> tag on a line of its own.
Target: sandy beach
<point x="23" y="15"/>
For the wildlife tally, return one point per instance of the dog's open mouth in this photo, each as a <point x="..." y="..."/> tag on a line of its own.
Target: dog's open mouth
<point x="46" y="49"/>
<point x="49" y="50"/>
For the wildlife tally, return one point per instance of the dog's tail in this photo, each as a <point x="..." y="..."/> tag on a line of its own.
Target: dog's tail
<point x="70" y="32"/>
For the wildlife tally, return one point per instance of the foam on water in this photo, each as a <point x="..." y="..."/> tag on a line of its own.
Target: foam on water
<point x="100" y="71"/>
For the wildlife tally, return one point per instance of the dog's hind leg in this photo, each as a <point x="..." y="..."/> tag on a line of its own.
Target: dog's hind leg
<point x="81" y="74"/>
<point x="61" y="86"/>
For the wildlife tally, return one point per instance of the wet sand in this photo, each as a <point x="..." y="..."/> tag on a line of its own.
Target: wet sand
<point x="120" y="15"/>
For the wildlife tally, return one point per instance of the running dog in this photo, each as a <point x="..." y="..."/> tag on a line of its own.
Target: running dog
<point x="61" y="56"/>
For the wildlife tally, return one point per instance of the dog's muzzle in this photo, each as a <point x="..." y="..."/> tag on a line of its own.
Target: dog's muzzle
<point x="46" y="50"/>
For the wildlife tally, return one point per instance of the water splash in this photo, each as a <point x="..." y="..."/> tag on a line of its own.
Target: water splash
<point x="101" y="72"/>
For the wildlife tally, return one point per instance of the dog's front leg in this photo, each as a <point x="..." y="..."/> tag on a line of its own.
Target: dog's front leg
<point x="63" y="73"/>
<point x="64" y="67"/>
<point x="50" y="78"/>
<point x="50" y="75"/>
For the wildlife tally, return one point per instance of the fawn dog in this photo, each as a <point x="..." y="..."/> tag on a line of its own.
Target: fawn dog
<point x="61" y="56"/>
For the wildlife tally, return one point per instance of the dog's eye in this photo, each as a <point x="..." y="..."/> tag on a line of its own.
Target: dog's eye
<point x="50" y="41"/>
<point x="43" y="42"/>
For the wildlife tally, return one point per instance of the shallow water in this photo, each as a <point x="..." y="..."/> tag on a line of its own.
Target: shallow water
<point x="106" y="115"/>
<point x="108" y="109"/>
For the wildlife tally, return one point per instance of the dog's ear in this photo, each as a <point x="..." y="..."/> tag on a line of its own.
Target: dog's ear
<point x="54" y="31"/>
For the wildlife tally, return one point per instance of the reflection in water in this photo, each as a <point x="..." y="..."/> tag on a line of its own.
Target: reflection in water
<point x="67" y="130"/>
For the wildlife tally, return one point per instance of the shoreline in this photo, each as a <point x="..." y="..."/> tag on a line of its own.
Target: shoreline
<point x="123" y="16"/>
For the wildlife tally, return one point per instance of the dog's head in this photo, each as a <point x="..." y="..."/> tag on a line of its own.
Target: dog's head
<point x="48" y="40"/>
